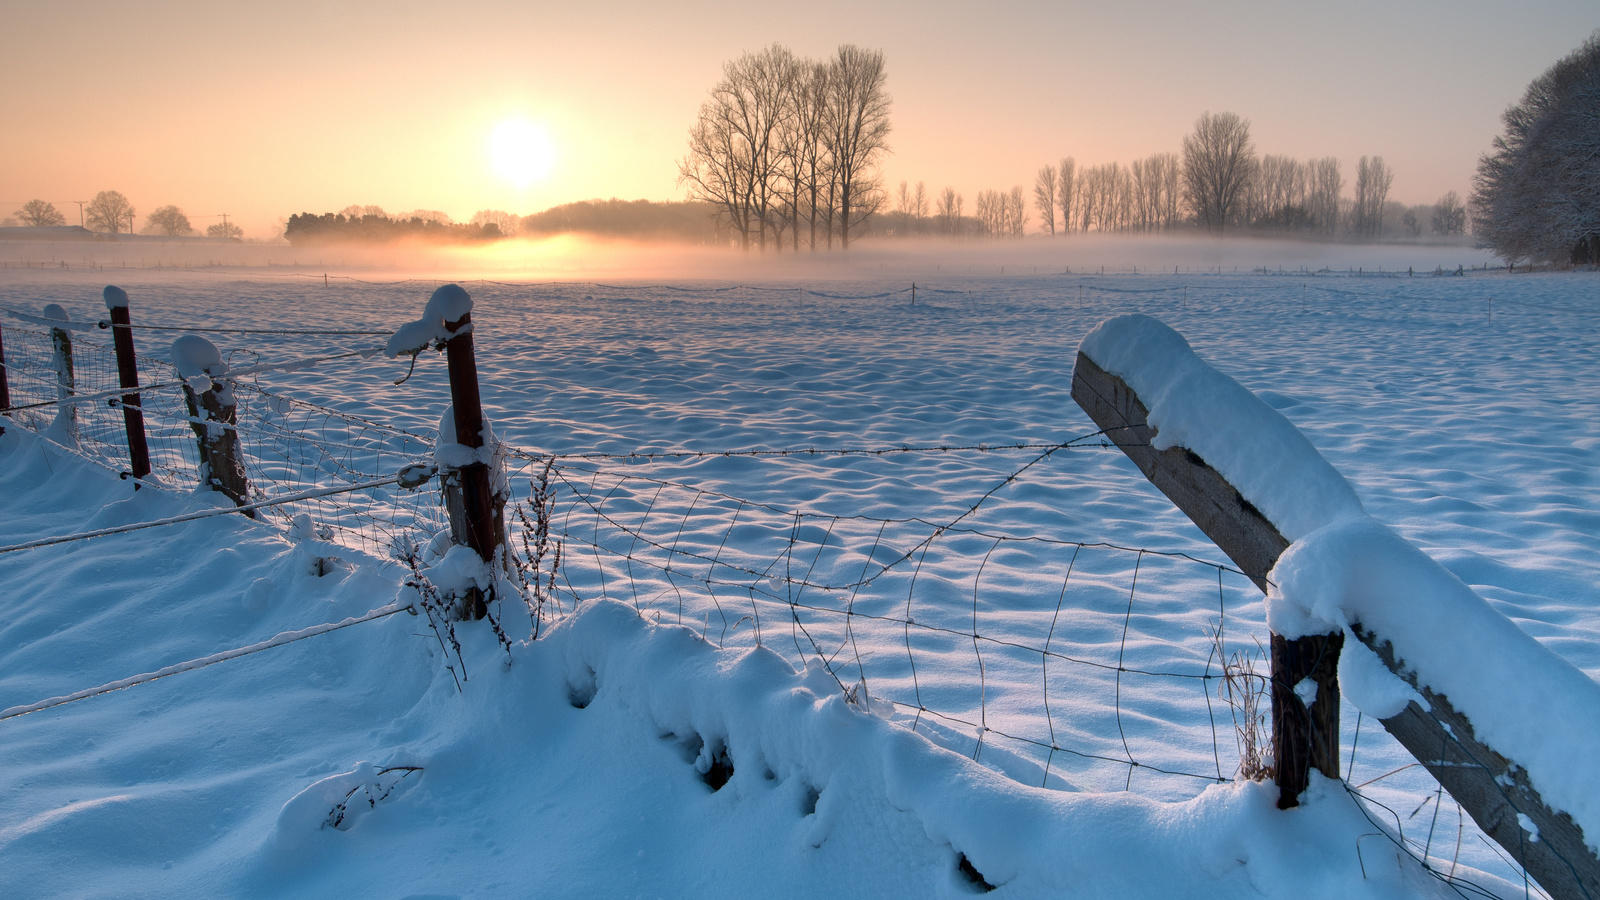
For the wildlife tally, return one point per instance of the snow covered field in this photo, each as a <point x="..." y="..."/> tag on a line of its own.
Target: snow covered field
<point x="1077" y="744"/>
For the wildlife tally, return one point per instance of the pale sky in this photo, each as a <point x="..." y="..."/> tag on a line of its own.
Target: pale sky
<point x="265" y="110"/>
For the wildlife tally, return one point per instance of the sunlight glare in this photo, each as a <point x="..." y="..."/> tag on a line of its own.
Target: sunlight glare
<point x="521" y="152"/>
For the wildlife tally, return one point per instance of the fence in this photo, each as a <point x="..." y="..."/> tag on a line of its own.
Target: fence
<point x="941" y="618"/>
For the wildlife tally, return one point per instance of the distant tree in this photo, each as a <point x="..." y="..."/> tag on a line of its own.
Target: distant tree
<point x="1044" y="197"/>
<point x="506" y="223"/>
<point x="168" y="220"/>
<point x="1324" y="184"/>
<point x="1449" y="215"/>
<point x="225" y="231"/>
<point x="948" y="210"/>
<point x="1016" y="211"/>
<point x="919" y="201"/>
<point x="1218" y="164"/>
<point x="1373" y="178"/>
<point x="1066" y="190"/>
<point x="40" y="214"/>
<point x="1411" y="222"/>
<point x="1537" y="191"/>
<point x="109" y="212"/>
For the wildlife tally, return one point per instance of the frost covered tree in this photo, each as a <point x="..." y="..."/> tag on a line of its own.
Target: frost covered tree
<point x="168" y="220"/>
<point x="109" y="211"/>
<point x="1218" y="164"/>
<point x="40" y="214"/>
<point x="1537" y="191"/>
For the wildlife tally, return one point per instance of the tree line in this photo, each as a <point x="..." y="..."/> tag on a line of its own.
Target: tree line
<point x="1217" y="183"/>
<point x="109" y="212"/>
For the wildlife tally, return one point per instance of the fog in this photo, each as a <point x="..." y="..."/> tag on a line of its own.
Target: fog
<point x="574" y="257"/>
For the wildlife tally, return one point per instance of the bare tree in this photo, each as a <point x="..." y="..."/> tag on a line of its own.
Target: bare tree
<point x="1218" y="164"/>
<point x="1044" y="197"/>
<point x="1322" y="195"/>
<point x="225" y="230"/>
<point x="109" y="211"/>
<point x="859" y="133"/>
<point x="167" y="220"/>
<point x="40" y="214"/>
<point x="948" y="210"/>
<point x="1449" y="215"/>
<point x="734" y="144"/>
<point x="1066" y="188"/>
<point x="1373" y="178"/>
<point x="919" y="202"/>
<point x="507" y="223"/>
<point x="1016" y="211"/>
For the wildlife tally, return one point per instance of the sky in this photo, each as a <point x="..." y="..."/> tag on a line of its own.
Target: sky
<point x="264" y="110"/>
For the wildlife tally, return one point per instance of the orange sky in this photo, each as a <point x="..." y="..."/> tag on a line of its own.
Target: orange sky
<point x="268" y="110"/>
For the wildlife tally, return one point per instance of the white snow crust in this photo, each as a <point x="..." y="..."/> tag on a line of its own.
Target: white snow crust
<point x="448" y="303"/>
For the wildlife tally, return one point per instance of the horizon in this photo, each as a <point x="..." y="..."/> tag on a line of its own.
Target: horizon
<point x="463" y="117"/>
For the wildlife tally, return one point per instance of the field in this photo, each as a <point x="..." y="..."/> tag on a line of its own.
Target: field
<point x="892" y="493"/>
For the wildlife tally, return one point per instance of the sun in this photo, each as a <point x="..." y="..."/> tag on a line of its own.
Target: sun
<point x="521" y="152"/>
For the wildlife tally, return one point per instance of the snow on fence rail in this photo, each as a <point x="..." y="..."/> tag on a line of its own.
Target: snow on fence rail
<point x="1451" y="679"/>
<point x="929" y="620"/>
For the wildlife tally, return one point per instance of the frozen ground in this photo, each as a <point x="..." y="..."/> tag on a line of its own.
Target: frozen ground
<point x="1465" y="411"/>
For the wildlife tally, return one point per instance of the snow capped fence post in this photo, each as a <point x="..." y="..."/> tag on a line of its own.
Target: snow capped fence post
<point x="128" y="377"/>
<point x="213" y="414"/>
<point x="1305" y="692"/>
<point x="477" y="511"/>
<point x="5" y="383"/>
<point x="1498" y="719"/>
<point x="66" y="421"/>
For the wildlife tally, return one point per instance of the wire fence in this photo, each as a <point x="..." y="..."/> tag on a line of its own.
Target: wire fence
<point x="1060" y="660"/>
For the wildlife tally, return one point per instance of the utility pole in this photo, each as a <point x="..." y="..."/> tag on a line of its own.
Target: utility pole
<point x="80" y="211"/>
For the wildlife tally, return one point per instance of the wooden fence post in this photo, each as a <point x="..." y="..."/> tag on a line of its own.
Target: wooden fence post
<point x="5" y="382"/>
<point x="1304" y="736"/>
<point x="477" y="517"/>
<point x="1495" y="790"/>
<point x="128" y="377"/>
<point x="66" y="419"/>
<point x="213" y="414"/>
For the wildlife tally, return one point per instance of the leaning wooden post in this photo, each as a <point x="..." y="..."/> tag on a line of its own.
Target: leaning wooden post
<point x="5" y="382"/>
<point x="128" y="376"/>
<point x="213" y="414"/>
<point x="1305" y="692"/>
<point x="1477" y="762"/>
<point x="66" y="420"/>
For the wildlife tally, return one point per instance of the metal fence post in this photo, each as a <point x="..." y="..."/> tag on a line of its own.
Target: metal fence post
<point x="128" y="377"/>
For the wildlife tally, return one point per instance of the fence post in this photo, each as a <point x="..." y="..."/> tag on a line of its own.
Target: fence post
<point x="213" y="414"/>
<point x="5" y="383"/>
<point x="1304" y="736"/>
<point x="128" y="376"/>
<point x="477" y="517"/>
<point x="66" y="419"/>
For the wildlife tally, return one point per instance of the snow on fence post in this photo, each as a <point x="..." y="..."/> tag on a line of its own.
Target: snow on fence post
<point x="476" y="509"/>
<point x="66" y="419"/>
<point x="1304" y="736"/>
<point x="1414" y="617"/>
<point x="5" y="383"/>
<point x="128" y="377"/>
<point x="213" y="414"/>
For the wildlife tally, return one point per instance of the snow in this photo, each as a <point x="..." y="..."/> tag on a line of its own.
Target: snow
<point x="115" y="297"/>
<point x="448" y="304"/>
<point x="575" y="765"/>
<point x="1193" y="405"/>
<point x="197" y="358"/>
<point x="1359" y="572"/>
